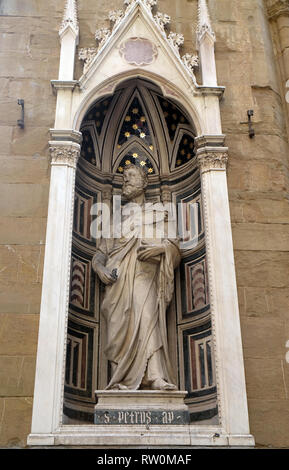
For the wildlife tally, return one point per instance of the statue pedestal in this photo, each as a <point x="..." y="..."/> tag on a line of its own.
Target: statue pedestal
<point x="143" y="408"/>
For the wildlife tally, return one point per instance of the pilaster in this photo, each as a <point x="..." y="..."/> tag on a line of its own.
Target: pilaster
<point x="47" y="410"/>
<point x="212" y="158"/>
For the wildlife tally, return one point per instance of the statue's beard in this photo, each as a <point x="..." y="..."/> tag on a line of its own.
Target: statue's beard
<point x="129" y="192"/>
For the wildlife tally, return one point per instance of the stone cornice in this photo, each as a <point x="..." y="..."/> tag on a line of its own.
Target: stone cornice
<point x="64" y="153"/>
<point x="66" y="135"/>
<point x="276" y="8"/>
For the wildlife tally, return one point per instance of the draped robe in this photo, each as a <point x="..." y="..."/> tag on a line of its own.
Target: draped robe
<point x="135" y="305"/>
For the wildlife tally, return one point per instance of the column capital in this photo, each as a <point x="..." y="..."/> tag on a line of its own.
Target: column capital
<point x="64" y="153"/>
<point x="212" y="159"/>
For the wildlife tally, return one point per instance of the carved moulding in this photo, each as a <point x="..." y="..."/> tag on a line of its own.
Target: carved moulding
<point x="64" y="153"/>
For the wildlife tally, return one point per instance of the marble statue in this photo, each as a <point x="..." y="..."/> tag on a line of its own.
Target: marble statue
<point x="139" y="276"/>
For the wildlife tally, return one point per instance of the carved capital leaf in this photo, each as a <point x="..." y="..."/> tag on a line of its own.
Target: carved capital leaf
<point x="208" y="161"/>
<point x="64" y="154"/>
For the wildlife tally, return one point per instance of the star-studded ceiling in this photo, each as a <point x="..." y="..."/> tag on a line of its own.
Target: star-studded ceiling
<point x="87" y="148"/>
<point x="186" y="150"/>
<point x="98" y="113"/>
<point x="138" y="158"/>
<point x="173" y="117"/>
<point x="135" y="125"/>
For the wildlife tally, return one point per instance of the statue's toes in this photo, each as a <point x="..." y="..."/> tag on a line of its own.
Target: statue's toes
<point x="160" y="384"/>
<point x="168" y="386"/>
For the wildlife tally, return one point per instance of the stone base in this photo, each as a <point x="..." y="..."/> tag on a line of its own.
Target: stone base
<point x="141" y="419"/>
<point x="141" y="407"/>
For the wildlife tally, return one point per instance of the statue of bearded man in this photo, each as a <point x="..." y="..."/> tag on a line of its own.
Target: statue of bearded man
<point x="139" y="276"/>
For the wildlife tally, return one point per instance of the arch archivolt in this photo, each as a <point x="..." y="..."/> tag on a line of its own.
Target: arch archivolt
<point x="193" y="104"/>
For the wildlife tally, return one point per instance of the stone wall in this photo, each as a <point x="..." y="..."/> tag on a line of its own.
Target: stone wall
<point x="258" y="179"/>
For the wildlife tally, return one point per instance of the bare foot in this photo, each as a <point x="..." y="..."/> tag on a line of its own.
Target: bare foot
<point x="160" y="384"/>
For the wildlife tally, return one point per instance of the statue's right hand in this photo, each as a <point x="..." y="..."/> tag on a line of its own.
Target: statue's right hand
<point x="106" y="276"/>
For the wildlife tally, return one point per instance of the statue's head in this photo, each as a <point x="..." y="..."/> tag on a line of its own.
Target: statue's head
<point x="135" y="181"/>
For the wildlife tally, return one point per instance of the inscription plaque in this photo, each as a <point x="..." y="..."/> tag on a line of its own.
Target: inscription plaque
<point x="141" y="417"/>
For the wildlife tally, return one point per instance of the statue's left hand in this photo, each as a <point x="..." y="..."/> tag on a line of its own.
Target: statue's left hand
<point x="149" y="252"/>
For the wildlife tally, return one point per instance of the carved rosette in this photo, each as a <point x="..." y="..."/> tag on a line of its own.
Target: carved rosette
<point x="63" y="154"/>
<point x="208" y="161"/>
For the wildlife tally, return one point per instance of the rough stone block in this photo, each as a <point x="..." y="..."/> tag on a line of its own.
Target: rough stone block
<point x="15" y="424"/>
<point x="24" y="200"/>
<point x="262" y="269"/>
<point x="5" y="139"/>
<point x="18" y="334"/>
<point x="20" y="298"/>
<point x="261" y="237"/>
<point x="264" y="378"/>
<point x="20" y="169"/>
<point x="269" y="344"/>
<point x="17" y="375"/>
<point x="22" y="231"/>
<point x="31" y="141"/>
<point x="21" y="263"/>
<point x="257" y="302"/>
<point x="269" y="422"/>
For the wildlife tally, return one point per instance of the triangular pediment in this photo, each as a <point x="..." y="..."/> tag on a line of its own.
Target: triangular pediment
<point x="138" y="40"/>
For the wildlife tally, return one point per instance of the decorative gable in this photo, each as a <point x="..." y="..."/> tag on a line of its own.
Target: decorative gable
<point x="138" y="38"/>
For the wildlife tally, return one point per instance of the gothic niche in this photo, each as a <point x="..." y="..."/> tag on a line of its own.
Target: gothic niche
<point x="138" y="125"/>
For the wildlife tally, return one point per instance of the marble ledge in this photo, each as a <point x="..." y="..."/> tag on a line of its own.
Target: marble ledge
<point x="64" y="85"/>
<point x="137" y="436"/>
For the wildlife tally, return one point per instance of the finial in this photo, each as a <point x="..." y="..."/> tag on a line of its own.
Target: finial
<point x="204" y="22"/>
<point x="70" y="17"/>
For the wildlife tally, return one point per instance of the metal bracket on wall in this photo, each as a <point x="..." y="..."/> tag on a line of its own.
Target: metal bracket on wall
<point x="20" y="122"/>
<point x="250" y="114"/>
